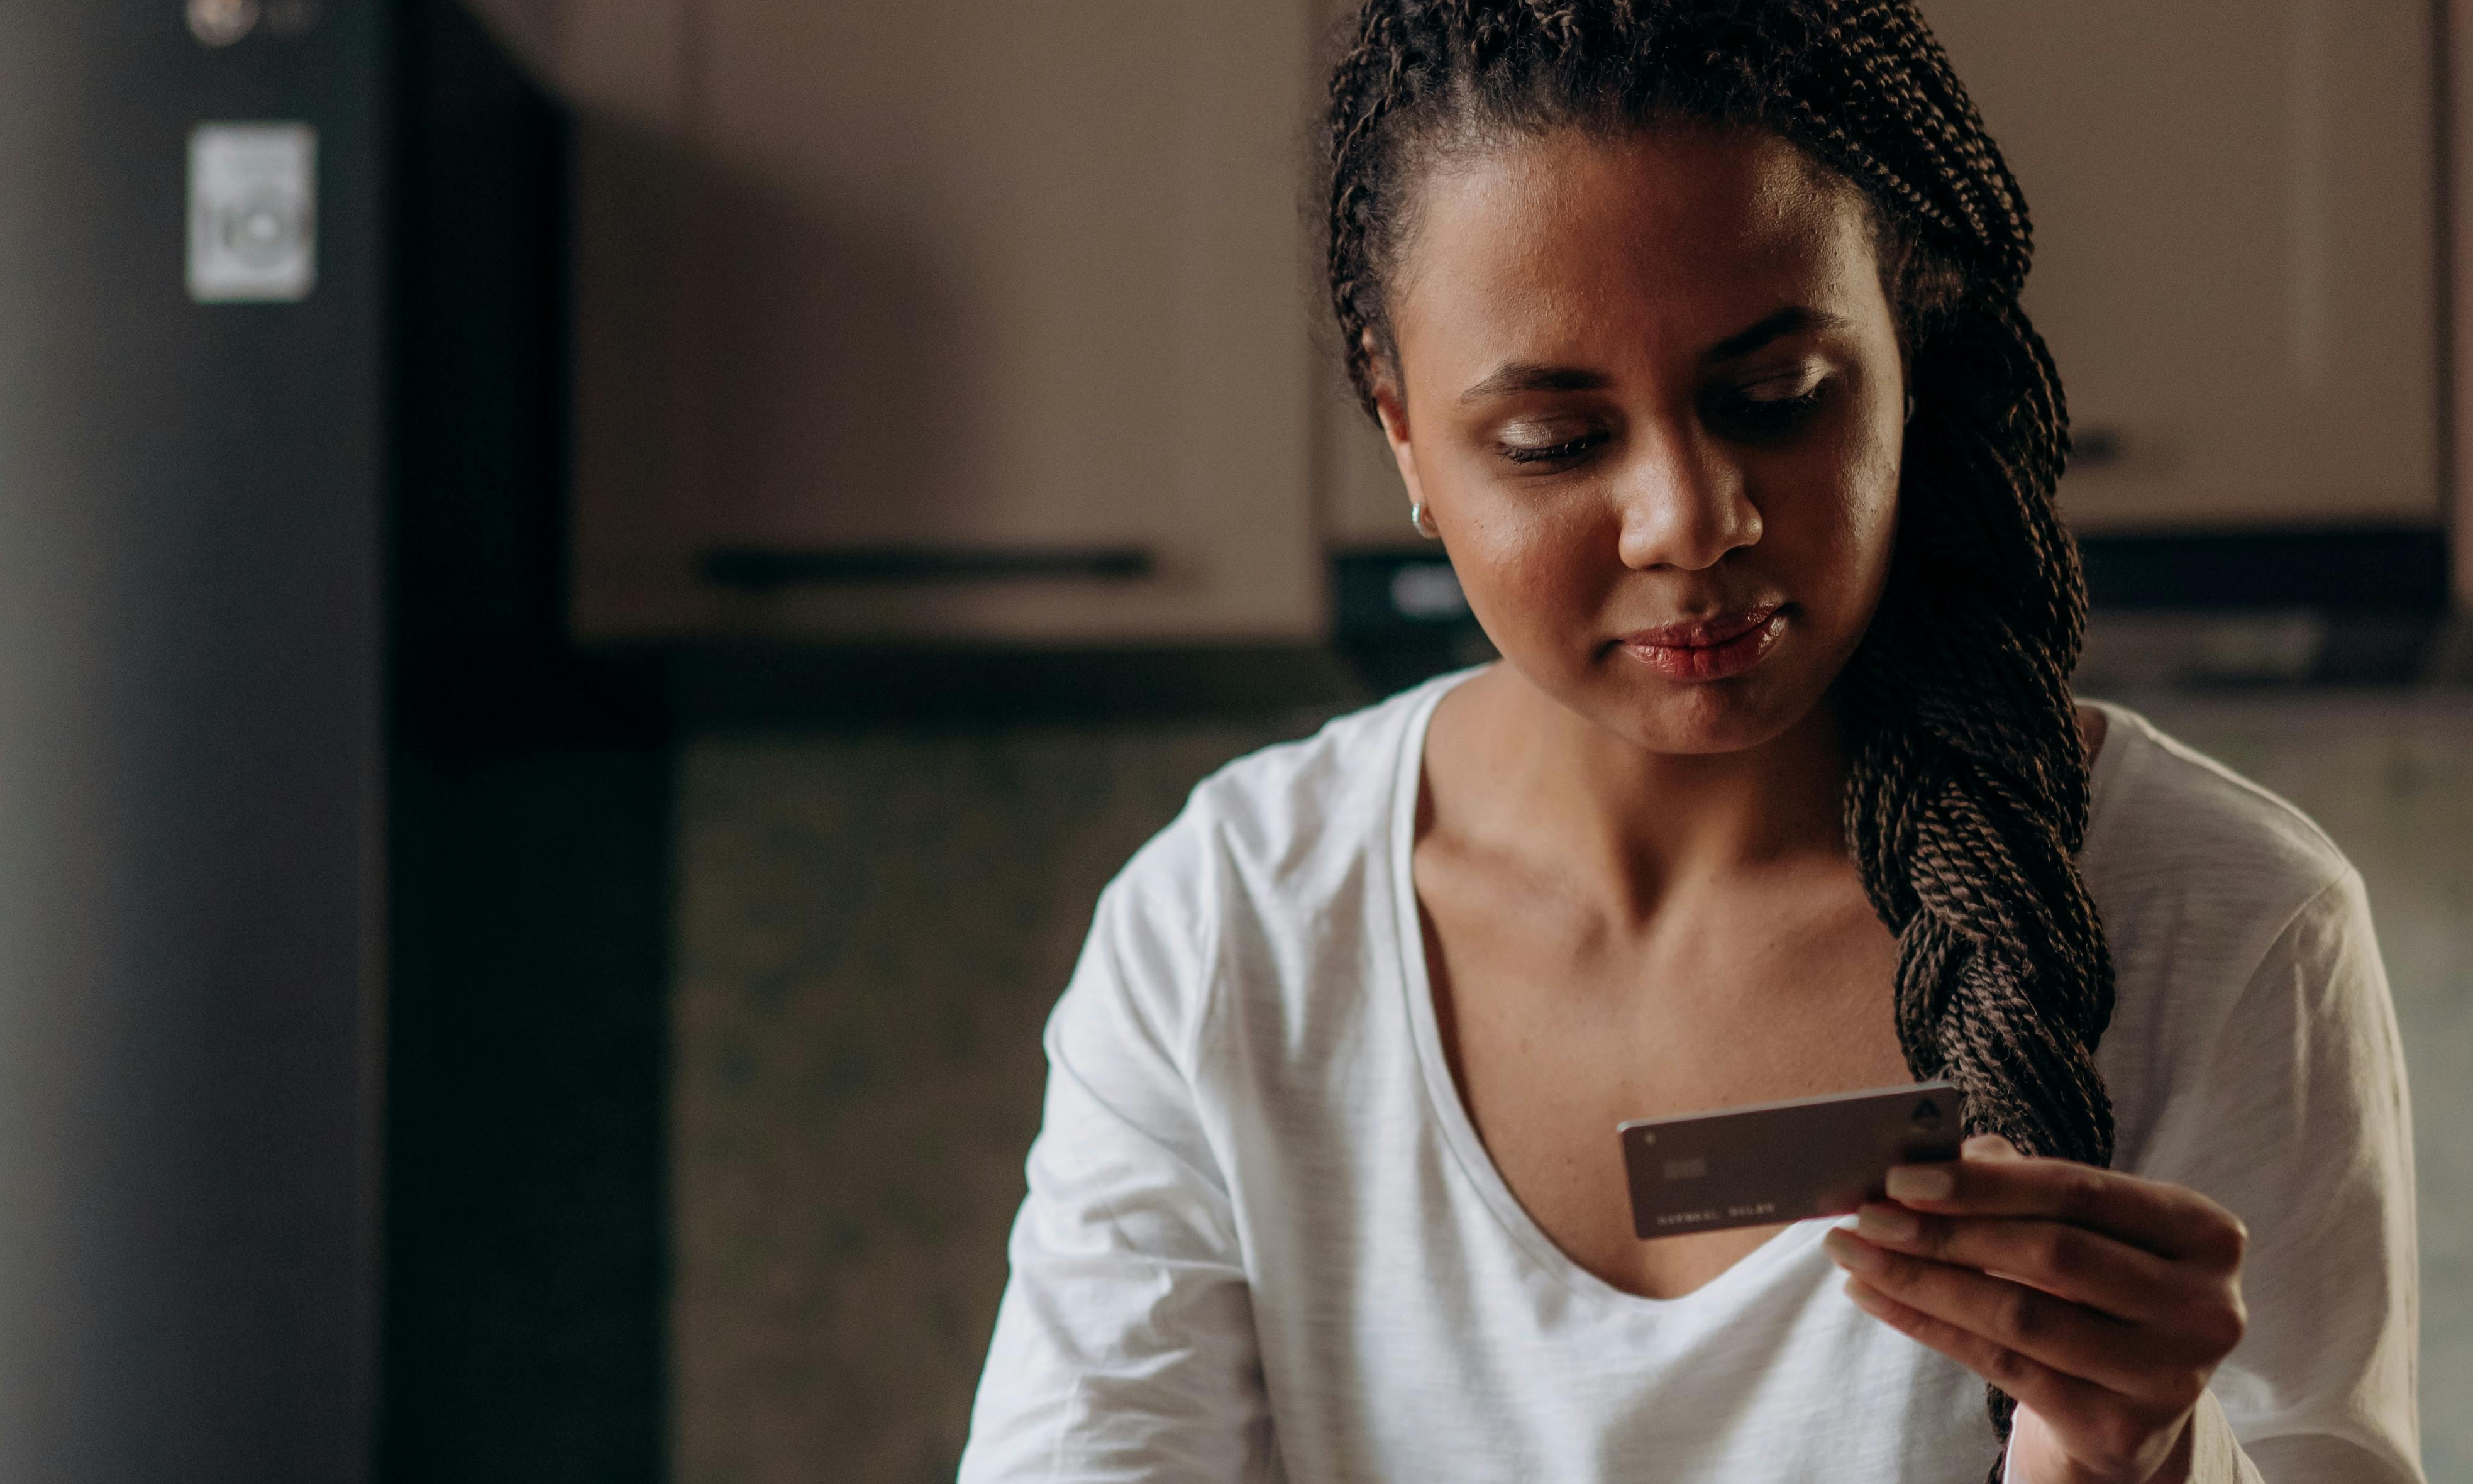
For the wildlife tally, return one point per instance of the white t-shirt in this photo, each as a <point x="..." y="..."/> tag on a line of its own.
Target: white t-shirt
<point x="1263" y="1241"/>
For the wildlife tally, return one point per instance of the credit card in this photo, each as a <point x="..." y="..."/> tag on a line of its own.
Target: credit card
<point x="1764" y="1163"/>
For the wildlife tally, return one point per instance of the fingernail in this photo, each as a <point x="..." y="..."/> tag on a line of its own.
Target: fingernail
<point x="1848" y="1253"/>
<point x="1921" y="1183"/>
<point x="1868" y="1297"/>
<point x="1887" y="1223"/>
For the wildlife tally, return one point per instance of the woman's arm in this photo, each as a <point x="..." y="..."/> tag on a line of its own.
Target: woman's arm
<point x="2118" y="1302"/>
<point x="1125" y="1349"/>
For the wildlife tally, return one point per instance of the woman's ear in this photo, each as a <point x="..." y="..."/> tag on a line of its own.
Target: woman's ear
<point x="1393" y="409"/>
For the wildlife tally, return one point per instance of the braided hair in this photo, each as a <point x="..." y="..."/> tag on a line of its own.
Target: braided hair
<point x="1968" y="780"/>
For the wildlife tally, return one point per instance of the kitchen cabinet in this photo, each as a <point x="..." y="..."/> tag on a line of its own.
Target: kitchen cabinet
<point x="953" y="320"/>
<point x="961" y="320"/>
<point x="2236" y="262"/>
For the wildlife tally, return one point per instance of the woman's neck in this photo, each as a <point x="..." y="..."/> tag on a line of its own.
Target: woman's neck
<point x="1536" y="772"/>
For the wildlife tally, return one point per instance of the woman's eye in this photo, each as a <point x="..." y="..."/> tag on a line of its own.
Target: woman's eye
<point x="1552" y="453"/>
<point x="1772" y="409"/>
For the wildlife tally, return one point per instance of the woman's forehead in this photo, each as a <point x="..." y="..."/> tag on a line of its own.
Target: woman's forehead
<point x="1682" y="235"/>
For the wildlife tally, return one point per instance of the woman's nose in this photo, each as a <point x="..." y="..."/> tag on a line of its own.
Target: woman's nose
<point x="1682" y="506"/>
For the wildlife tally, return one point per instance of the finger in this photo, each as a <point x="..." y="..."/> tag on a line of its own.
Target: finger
<point x="2170" y="1221"/>
<point x="2070" y="1338"/>
<point x="2092" y="1420"/>
<point x="2069" y="1262"/>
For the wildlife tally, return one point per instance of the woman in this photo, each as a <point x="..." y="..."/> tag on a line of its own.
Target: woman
<point x="1693" y="327"/>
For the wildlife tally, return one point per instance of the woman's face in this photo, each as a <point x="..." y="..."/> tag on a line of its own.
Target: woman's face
<point x="1649" y="387"/>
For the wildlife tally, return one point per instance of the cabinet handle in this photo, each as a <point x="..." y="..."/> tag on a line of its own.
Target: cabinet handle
<point x="2098" y="447"/>
<point x="765" y="567"/>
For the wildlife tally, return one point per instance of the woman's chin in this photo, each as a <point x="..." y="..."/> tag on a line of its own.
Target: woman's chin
<point x="1709" y="717"/>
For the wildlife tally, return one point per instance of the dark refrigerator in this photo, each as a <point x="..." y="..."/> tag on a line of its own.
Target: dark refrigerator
<point x="331" y="935"/>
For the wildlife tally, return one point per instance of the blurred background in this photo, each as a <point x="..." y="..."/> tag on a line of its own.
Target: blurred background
<point x="588" y="592"/>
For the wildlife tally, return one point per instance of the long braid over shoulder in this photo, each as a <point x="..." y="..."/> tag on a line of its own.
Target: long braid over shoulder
<point x="1968" y="785"/>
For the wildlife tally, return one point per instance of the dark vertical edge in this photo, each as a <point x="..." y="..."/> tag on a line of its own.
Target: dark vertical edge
<point x="2444" y="105"/>
<point x="526" y="1221"/>
<point x="378" y="927"/>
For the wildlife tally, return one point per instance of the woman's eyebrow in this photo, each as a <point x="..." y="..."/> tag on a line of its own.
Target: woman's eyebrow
<point x="1793" y="320"/>
<point x="1513" y="377"/>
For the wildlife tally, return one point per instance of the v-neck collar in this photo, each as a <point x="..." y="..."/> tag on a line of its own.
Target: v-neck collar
<point x="1452" y="1122"/>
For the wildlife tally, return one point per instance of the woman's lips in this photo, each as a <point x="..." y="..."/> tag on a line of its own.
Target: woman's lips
<point x="1712" y="648"/>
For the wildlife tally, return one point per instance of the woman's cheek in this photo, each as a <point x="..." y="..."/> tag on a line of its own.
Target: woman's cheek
<point x="1499" y="576"/>
<point x="1835" y="544"/>
<point x="1528" y="583"/>
<point x="1871" y="537"/>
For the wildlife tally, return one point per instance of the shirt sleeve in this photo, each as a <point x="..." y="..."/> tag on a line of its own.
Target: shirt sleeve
<point x="1124" y="1346"/>
<point x="2215" y="1455"/>
<point x="2302" y="1128"/>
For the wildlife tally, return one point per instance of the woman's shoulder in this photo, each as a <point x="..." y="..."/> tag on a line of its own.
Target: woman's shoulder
<point x="1275" y="861"/>
<point x="1277" y="813"/>
<point x="2172" y="827"/>
<point x="2233" y="922"/>
<point x="1282" y="838"/>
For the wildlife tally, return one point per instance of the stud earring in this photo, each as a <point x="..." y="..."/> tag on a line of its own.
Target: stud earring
<point x="1424" y="520"/>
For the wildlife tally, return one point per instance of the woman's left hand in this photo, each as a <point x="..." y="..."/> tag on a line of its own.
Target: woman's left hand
<point x="2102" y="1302"/>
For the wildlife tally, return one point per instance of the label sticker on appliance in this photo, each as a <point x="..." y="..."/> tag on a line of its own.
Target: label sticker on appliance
<point x="252" y="213"/>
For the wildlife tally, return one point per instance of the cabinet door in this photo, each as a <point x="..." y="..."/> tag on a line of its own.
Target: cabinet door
<point x="888" y="288"/>
<point x="2237" y="254"/>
